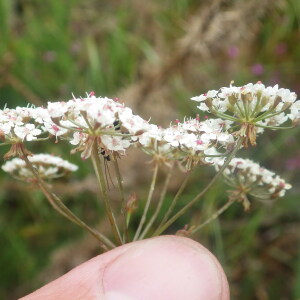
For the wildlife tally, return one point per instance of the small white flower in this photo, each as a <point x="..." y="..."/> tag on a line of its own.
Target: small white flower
<point x="295" y="111"/>
<point x="203" y="97"/>
<point x="54" y="129"/>
<point x="78" y="137"/>
<point x="57" y="109"/>
<point x="115" y="143"/>
<point x="27" y="132"/>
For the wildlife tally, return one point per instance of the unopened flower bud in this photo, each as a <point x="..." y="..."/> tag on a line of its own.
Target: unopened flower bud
<point x="208" y="103"/>
<point x="286" y="105"/>
<point x="246" y="97"/>
<point x="265" y="101"/>
<point x="131" y="204"/>
<point x="232" y="99"/>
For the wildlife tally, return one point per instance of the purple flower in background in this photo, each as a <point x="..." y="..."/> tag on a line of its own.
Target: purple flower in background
<point x="293" y="163"/>
<point x="49" y="56"/>
<point x="257" y="69"/>
<point x="75" y="48"/>
<point x="281" y="49"/>
<point x="233" y="51"/>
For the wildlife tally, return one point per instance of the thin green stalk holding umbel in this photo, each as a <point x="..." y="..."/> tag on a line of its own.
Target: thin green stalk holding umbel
<point x="150" y="194"/>
<point x="175" y="199"/>
<point x="213" y="217"/>
<point x="103" y="190"/>
<point x="123" y="204"/>
<point x="201" y="194"/>
<point x="58" y="205"/>
<point x="159" y="204"/>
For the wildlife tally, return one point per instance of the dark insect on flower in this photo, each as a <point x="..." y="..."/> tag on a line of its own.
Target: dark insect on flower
<point x="117" y="124"/>
<point x="105" y="155"/>
<point x="106" y="158"/>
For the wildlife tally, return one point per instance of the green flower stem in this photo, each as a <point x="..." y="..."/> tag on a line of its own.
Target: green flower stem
<point x="113" y="133"/>
<point x="128" y="217"/>
<point x="275" y="127"/>
<point x="240" y="110"/>
<point x="150" y="194"/>
<point x="73" y="129"/>
<point x="225" y="116"/>
<point x="216" y="155"/>
<point x="213" y="217"/>
<point x="5" y="144"/>
<point x="267" y="115"/>
<point x="247" y="109"/>
<point x="121" y="189"/>
<point x="160" y="202"/>
<point x="174" y="201"/>
<point x="87" y="122"/>
<point x="58" y="205"/>
<point x="255" y="110"/>
<point x="103" y="190"/>
<point x="201" y="194"/>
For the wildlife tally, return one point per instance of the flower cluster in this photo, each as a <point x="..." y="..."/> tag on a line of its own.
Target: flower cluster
<point x="83" y="121"/>
<point x="47" y="166"/>
<point x="190" y="141"/>
<point x="253" y="106"/>
<point x="96" y="120"/>
<point x="249" y="178"/>
<point x="18" y="125"/>
<point x="100" y="127"/>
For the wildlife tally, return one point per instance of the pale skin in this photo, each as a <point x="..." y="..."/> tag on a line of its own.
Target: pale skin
<point x="161" y="268"/>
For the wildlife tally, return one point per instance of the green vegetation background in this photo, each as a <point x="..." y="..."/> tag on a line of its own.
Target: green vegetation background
<point x="155" y="55"/>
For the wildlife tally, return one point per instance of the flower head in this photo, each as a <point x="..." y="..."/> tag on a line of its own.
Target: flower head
<point x="91" y="120"/>
<point x="248" y="178"/>
<point x="190" y="142"/>
<point x="18" y="125"/>
<point x="47" y="166"/>
<point x="253" y="106"/>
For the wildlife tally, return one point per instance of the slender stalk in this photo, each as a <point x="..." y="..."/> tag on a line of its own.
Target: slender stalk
<point x="175" y="199"/>
<point x="254" y="111"/>
<point x="267" y="115"/>
<point x="225" y="116"/>
<point x="201" y="194"/>
<point x="242" y="113"/>
<point x="58" y="205"/>
<point x="217" y="155"/>
<point x="213" y="217"/>
<point x="121" y="189"/>
<point x="160" y="202"/>
<point x="150" y="194"/>
<point x="275" y="127"/>
<point x="103" y="190"/>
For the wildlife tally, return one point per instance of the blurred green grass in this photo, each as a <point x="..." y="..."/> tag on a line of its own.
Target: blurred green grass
<point x="49" y="50"/>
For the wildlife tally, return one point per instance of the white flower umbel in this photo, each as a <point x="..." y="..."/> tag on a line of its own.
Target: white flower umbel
<point x="248" y="178"/>
<point x="92" y="120"/>
<point x="189" y="142"/>
<point x="47" y="167"/>
<point x="16" y="127"/>
<point x="252" y="106"/>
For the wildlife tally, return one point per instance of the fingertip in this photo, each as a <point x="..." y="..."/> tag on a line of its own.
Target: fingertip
<point x="166" y="267"/>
